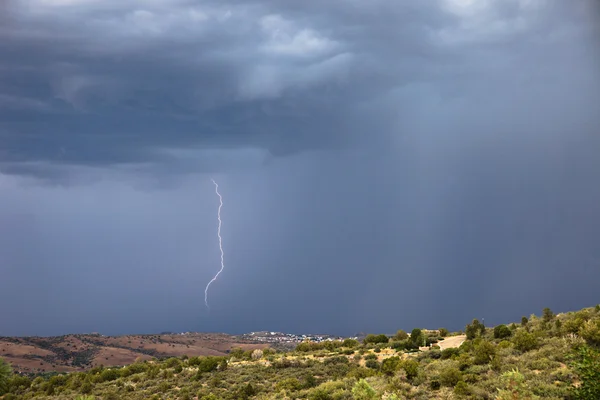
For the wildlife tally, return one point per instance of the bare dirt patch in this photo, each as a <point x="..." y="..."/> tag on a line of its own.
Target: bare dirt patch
<point x="451" y="342"/>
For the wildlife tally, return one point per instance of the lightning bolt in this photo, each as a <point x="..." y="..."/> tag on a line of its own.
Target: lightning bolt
<point x="220" y="244"/>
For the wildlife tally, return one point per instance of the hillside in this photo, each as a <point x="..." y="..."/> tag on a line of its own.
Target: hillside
<point x="71" y="353"/>
<point x="540" y="357"/>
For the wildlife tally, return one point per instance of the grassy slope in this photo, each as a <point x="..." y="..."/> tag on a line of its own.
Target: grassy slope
<point x="482" y="368"/>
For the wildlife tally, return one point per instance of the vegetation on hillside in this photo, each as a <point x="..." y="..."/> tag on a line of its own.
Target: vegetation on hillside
<point x="546" y="357"/>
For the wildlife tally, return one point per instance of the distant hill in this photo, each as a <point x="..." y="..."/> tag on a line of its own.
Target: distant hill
<point x="81" y="352"/>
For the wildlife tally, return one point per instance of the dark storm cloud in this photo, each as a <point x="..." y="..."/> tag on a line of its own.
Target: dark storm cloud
<point x="421" y="163"/>
<point x="101" y="83"/>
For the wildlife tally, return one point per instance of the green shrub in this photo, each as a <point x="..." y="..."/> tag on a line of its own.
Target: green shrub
<point x="363" y="391"/>
<point x="350" y="343"/>
<point x="289" y="384"/>
<point x="411" y="367"/>
<point x="18" y="383"/>
<point x="374" y="339"/>
<point x="501" y="332"/>
<point x="390" y="365"/>
<point x="319" y="394"/>
<point x="5" y="375"/>
<point x="208" y="364"/>
<point x="195" y="361"/>
<point x="587" y="368"/>
<point x="471" y="378"/>
<point x="152" y="372"/>
<point x="515" y="387"/>
<point x="484" y="351"/>
<point x="435" y="353"/>
<point x="573" y="325"/>
<point x="590" y="332"/>
<point x="400" y="345"/>
<point x="372" y="364"/>
<point x="524" y="341"/>
<point x="450" y="376"/>
<point x="172" y="362"/>
<point x="464" y="361"/>
<point x="86" y="387"/>
<point x="462" y="389"/>
<point x="137" y="368"/>
<point x="309" y="381"/>
<point x="449" y="353"/>
<point x="111" y="396"/>
<point x="109" y="375"/>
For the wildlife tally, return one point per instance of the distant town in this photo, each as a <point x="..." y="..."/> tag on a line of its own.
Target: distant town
<point x="280" y="337"/>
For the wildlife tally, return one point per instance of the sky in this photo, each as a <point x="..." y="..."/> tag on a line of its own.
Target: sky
<point x="384" y="165"/>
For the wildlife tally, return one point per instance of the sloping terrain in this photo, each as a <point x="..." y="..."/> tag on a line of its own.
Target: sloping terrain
<point x="81" y="352"/>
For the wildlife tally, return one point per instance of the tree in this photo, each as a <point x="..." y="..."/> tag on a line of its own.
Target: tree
<point x="350" y="343"/>
<point x="370" y="338"/>
<point x="417" y="338"/>
<point x="501" y="332"/>
<point x="5" y="374"/>
<point x="401" y="335"/>
<point x="257" y="354"/>
<point x="547" y="315"/>
<point x="524" y="321"/>
<point x="443" y="332"/>
<point x="474" y="329"/>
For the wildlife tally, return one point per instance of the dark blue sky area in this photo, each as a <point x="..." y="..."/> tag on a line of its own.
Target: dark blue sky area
<point x="383" y="164"/>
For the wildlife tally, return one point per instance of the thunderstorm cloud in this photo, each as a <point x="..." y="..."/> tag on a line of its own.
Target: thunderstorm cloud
<point x="384" y="164"/>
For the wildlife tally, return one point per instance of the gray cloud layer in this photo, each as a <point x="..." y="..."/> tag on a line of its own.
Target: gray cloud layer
<point x="384" y="164"/>
<point x="90" y="82"/>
